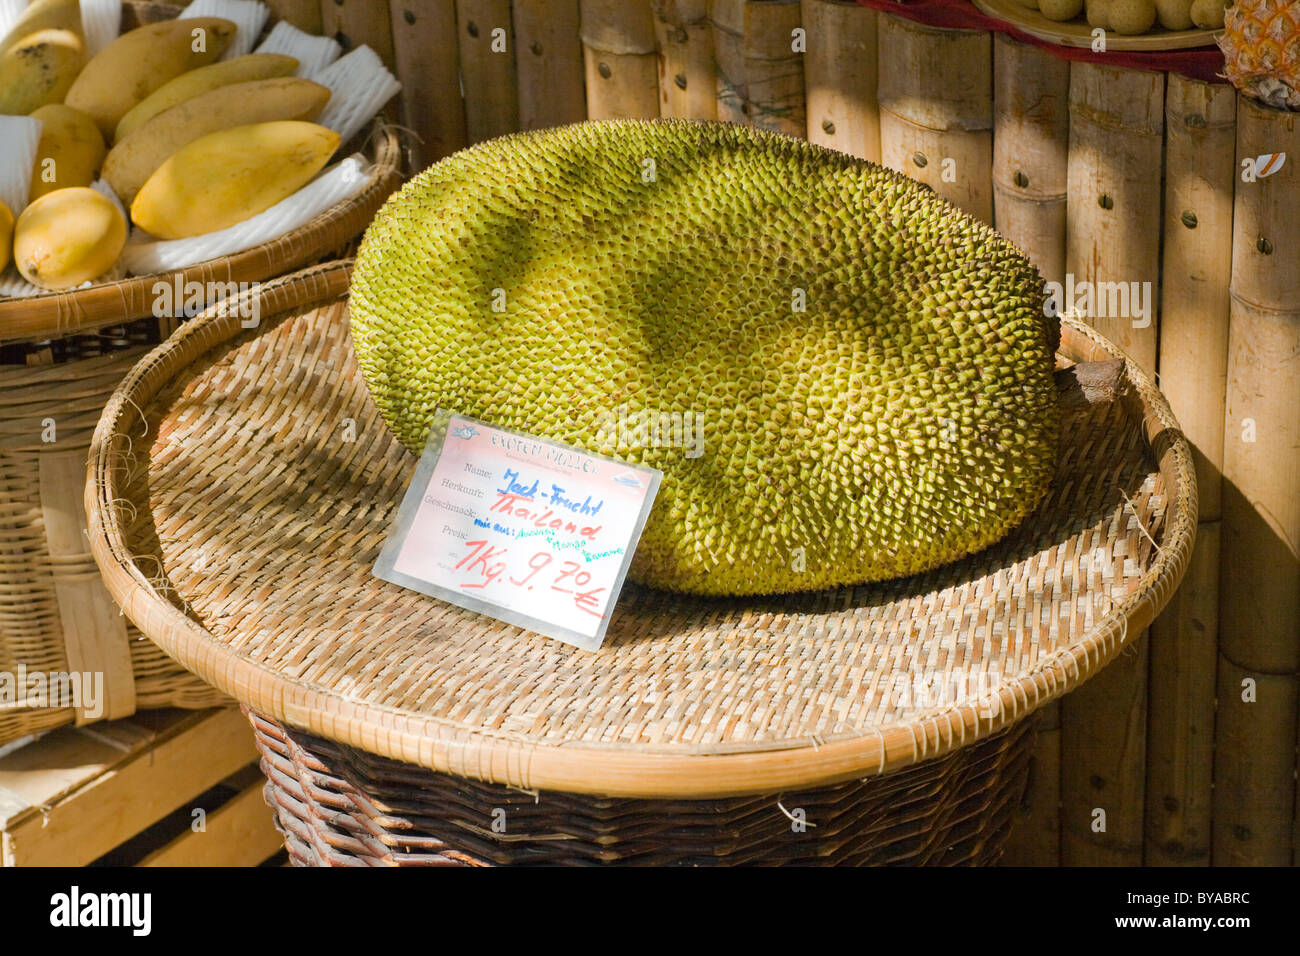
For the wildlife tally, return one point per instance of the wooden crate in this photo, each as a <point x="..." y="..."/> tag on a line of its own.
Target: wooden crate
<point x="161" y="788"/>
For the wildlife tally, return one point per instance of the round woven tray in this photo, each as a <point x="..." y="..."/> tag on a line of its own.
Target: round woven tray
<point x="242" y="483"/>
<point x="1079" y="33"/>
<point x="54" y="315"/>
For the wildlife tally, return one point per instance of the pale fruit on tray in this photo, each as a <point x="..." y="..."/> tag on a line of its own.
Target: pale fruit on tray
<point x="1136" y="25"/>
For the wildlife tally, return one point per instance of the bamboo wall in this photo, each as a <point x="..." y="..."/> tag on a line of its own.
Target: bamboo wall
<point x="1188" y="741"/>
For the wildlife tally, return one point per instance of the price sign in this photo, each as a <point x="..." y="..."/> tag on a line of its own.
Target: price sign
<point x="522" y="529"/>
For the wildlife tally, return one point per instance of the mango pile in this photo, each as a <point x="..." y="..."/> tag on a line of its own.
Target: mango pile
<point x="186" y="142"/>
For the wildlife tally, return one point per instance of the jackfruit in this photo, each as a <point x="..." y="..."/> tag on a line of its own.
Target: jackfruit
<point x="870" y="370"/>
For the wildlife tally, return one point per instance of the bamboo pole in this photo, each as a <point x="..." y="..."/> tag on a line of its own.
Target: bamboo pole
<point x="1200" y="150"/>
<point x="1103" y="753"/>
<point x="1260" y="569"/>
<point x="727" y="22"/>
<point x="840" y="74"/>
<point x="1112" y="211"/>
<point x="548" y="60"/>
<point x="487" y="68"/>
<point x="1035" y="838"/>
<point x="1254" y="784"/>
<point x="1116" y="145"/>
<point x="936" y="109"/>
<point x="303" y="14"/>
<point x="354" y="22"/>
<point x="620" y="59"/>
<point x="1180" y="724"/>
<point x="425" y="49"/>
<point x="1200" y="168"/>
<point x="774" y="66"/>
<point x="687" y="77"/>
<point x="1031" y="130"/>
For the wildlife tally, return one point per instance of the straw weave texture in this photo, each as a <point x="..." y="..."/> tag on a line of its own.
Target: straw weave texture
<point x="242" y="485"/>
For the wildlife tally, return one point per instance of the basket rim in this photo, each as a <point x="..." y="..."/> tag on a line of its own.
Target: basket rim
<point x="443" y="746"/>
<point x="55" y="315"/>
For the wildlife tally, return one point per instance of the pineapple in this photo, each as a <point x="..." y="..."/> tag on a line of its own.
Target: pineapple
<point x="1261" y="49"/>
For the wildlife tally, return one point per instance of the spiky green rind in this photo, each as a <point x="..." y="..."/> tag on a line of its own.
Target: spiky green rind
<point x="906" y="418"/>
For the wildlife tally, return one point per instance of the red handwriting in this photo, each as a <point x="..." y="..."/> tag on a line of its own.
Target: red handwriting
<point x="508" y="503"/>
<point x="488" y="565"/>
<point x="481" y="554"/>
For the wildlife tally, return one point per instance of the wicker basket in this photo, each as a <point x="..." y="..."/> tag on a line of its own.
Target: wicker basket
<point x="61" y="355"/>
<point x="242" y="484"/>
<point x="341" y="806"/>
<point x="55" y="615"/>
<point x="57" y="314"/>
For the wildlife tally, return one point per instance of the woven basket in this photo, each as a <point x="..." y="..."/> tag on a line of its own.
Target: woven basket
<point x="57" y="314"/>
<point x="242" y="484"/>
<point x="55" y="615"/>
<point x="341" y="806"/>
<point x="61" y="355"/>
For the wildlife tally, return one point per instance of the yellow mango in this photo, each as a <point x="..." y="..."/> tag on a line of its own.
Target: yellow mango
<point x="242" y="69"/>
<point x="133" y="160"/>
<point x="39" y="69"/>
<point x="226" y="177"/>
<point x="70" y="152"/>
<point x="68" y="237"/>
<point x="138" y="62"/>
<point x="44" y="15"/>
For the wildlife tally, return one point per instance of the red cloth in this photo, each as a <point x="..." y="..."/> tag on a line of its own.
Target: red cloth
<point x="1202" y="63"/>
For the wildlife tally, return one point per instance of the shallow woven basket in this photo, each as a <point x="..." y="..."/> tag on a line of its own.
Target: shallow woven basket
<point x="57" y="314"/>
<point x="238" y="522"/>
<point x="61" y="355"/>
